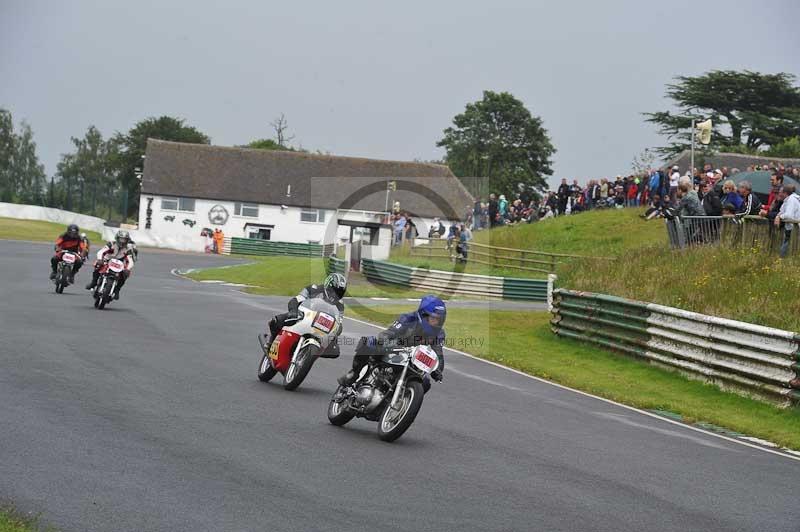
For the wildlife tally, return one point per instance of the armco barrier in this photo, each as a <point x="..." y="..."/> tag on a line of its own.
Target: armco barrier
<point x="334" y="265"/>
<point x="251" y="246"/>
<point x="756" y="360"/>
<point x="461" y="284"/>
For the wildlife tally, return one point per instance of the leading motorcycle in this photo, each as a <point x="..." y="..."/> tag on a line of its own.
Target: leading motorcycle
<point x="300" y="342"/>
<point x="110" y="273"/>
<point x="65" y="275"/>
<point x="388" y="390"/>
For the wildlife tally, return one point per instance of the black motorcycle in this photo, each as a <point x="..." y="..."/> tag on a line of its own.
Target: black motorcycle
<point x="65" y="271"/>
<point x="388" y="390"/>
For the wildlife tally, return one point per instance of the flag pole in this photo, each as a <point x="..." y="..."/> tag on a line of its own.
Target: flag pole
<point x="691" y="168"/>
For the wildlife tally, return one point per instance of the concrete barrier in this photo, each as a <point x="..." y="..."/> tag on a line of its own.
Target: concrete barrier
<point x="49" y="214"/>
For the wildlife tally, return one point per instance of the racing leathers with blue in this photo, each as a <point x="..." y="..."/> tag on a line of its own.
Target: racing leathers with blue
<point x="425" y="326"/>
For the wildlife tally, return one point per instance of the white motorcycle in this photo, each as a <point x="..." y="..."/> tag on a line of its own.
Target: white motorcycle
<point x="300" y="343"/>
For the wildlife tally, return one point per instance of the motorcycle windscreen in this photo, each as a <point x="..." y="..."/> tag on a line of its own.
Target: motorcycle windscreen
<point x="282" y="350"/>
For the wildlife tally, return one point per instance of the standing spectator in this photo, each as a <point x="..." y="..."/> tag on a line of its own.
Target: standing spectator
<point x="729" y="195"/>
<point x="399" y="227"/>
<point x="563" y="195"/>
<point x="219" y="241"/>
<point x="751" y="205"/>
<point x="633" y="190"/>
<point x="712" y="206"/>
<point x="689" y="204"/>
<point x="476" y="214"/>
<point x="604" y="191"/>
<point x="789" y="213"/>
<point x="502" y="206"/>
<point x="654" y="183"/>
<point x="674" y="177"/>
<point x="410" y="229"/>
<point x="492" y="210"/>
<point x="776" y="182"/>
<point x="208" y="234"/>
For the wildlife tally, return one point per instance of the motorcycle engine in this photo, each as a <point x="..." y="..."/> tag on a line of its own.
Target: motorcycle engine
<point x="368" y="397"/>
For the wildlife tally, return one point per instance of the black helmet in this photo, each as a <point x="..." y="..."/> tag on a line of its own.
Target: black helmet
<point x="73" y="231"/>
<point x="335" y="286"/>
<point x="123" y="237"/>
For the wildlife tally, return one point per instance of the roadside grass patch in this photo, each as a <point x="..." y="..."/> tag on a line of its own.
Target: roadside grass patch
<point x="12" y="520"/>
<point x="524" y="341"/>
<point x="286" y="276"/>
<point x="38" y="231"/>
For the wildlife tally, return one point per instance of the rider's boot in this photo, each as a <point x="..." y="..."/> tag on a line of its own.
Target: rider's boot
<point x="93" y="282"/>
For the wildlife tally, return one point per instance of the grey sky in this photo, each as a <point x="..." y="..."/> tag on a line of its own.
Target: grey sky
<point x="376" y="79"/>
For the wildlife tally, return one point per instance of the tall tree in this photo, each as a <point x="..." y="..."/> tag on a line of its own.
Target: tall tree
<point x="26" y="169"/>
<point x="7" y="149"/>
<point x="130" y="147"/>
<point x="749" y="110"/>
<point x="498" y="139"/>
<point x="86" y="174"/>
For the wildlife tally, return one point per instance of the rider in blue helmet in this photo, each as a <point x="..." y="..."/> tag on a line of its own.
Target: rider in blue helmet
<point x="424" y="326"/>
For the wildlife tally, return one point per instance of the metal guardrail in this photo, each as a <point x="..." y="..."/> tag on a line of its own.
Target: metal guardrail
<point x="750" y="359"/>
<point x="455" y="283"/>
<point x="334" y="265"/>
<point x="732" y="232"/>
<point x="251" y="246"/>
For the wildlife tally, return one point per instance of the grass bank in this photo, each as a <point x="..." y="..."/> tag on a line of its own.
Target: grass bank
<point x="523" y="340"/>
<point x="36" y="230"/>
<point x="286" y="276"/>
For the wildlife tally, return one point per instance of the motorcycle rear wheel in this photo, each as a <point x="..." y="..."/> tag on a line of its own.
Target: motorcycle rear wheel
<point x="297" y="372"/>
<point x="392" y="423"/>
<point x="336" y="414"/>
<point x="265" y="369"/>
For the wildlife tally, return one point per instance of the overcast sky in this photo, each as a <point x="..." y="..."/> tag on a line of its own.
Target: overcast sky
<point x="376" y="79"/>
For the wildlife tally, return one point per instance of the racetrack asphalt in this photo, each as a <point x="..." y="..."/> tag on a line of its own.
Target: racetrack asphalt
<point x="148" y="417"/>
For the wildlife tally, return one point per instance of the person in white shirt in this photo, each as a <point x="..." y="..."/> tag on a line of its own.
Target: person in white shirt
<point x="790" y="210"/>
<point x="674" y="177"/>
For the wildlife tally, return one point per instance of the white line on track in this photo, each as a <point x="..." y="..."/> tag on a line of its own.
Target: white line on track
<point x="609" y="401"/>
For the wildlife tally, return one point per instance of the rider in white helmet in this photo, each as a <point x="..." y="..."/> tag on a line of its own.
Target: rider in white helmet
<point x="118" y="249"/>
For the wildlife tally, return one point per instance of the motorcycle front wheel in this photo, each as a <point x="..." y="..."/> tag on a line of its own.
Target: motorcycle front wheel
<point x="105" y="295"/>
<point x="298" y="371"/>
<point x="393" y="423"/>
<point x="265" y="369"/>
<point x="338" y="415"/>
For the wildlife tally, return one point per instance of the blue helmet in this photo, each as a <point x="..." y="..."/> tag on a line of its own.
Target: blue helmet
<point x="431" y="306"/>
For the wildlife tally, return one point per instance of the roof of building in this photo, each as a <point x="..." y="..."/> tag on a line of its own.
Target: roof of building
<point x="299" y="179"/>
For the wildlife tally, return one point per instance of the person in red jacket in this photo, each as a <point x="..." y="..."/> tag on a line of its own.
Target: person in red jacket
<point x="68" y="241"/>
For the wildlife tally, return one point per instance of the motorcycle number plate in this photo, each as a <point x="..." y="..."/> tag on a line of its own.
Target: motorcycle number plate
<point x="273" y="350"/>
<point x="324" y="322"/>
<point x="69" y="258"/>
<point x="116" y="266"/>
<point x="425" y="359"/>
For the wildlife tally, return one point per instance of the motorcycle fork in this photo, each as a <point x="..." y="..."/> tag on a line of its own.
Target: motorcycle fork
<point x="399" y="389"/>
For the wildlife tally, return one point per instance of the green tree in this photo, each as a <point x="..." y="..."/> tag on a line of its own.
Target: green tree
<point x="129" y="148"/>
<point x="749" y="110"/>
<point x="267" y="144"/>
<point x="7" y="149"/>
<point x="27" y="171"/>
<point x="789" y="148"/>
<point x="88" y="180"/>
<point x="500" y="142"/>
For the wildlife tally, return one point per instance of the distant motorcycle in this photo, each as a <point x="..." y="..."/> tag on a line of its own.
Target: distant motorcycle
<point x="300" y="343"/>
<point x="65" y="271"/>
<point x="110" y="273"/>
<point x="388" y="390"/>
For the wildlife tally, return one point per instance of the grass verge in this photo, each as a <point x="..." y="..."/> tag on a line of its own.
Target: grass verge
<point x="523" y="341"/>
<point x="37" y="230"/>
<point x="286" y="276"/>
<point x="11" y="520"/>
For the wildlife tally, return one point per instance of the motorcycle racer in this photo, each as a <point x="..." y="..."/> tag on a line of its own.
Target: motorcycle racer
<point x="118" y="249"/>
<point x="421" y="327"/>
<point x="332" y="291"/>
<point x="70" y="240"/>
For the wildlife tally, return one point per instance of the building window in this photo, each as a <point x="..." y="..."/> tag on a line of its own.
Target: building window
<point x="246" y="209"/>
<point x="312" y="215"/>
<point x="177" y="204"/>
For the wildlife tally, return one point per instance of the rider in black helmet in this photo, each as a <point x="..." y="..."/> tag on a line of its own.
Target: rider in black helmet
<point x="332" y="291"/>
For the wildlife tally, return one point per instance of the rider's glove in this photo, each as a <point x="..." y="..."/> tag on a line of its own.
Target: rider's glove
<point x="437" y="375"/>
